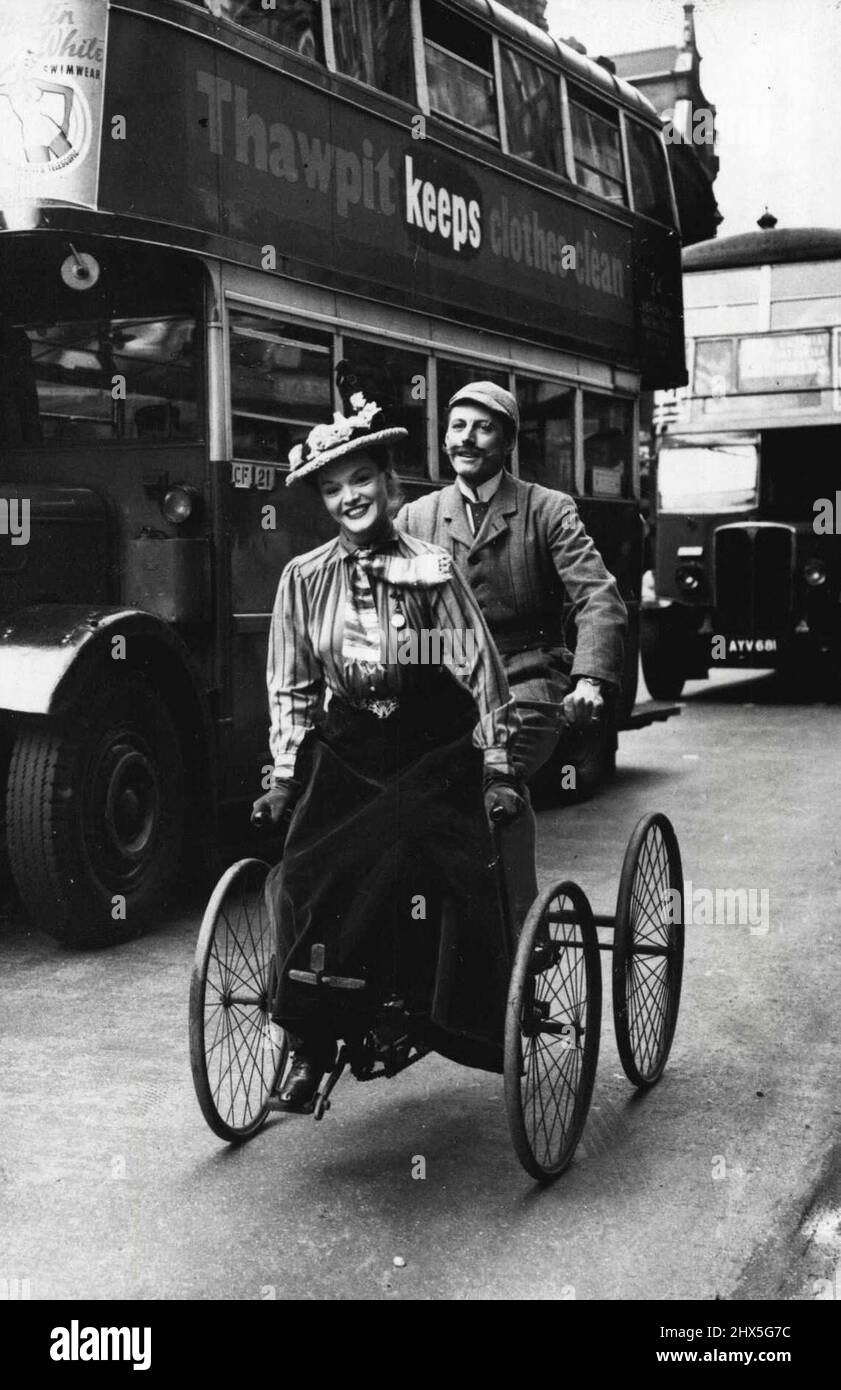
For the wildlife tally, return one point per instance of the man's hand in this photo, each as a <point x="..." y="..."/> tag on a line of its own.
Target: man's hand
<point x="505" y="799"/>
<point x="272" y="806"/>
<point x="585" y="704"/>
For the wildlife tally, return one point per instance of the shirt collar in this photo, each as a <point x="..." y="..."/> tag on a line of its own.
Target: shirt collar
<point x="350" y="549"/>
<point x="484" y="492"/>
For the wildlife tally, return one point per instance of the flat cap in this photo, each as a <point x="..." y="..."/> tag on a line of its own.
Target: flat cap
<point x="492" y="397"/>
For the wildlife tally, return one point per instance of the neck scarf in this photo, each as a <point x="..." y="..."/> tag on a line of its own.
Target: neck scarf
<point x="363" y="642"/>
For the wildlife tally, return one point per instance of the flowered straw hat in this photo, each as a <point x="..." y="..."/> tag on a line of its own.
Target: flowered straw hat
<point x="345" y="435"/>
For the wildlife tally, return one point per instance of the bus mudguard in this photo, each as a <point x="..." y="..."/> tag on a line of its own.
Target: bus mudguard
<point x="50" y="654"/>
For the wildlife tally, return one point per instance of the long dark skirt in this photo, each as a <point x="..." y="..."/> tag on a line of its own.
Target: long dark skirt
<point x="391" y="826"/>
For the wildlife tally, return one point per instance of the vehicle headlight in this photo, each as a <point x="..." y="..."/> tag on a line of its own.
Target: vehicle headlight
<point x="689" y="578"/>
<point x="814" y="572"/>
<point x="180" y="504"/>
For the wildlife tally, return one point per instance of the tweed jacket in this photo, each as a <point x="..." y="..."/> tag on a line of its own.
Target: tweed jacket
<point x="535" y="571"/>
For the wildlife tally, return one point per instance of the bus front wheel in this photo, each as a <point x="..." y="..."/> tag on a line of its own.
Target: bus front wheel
<point x="95" y="815"/>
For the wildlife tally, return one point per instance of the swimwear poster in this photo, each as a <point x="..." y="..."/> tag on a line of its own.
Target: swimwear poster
<point x="52" y="71"/>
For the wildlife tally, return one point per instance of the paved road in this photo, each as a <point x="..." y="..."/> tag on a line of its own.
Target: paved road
<point x="723" y="1181"/>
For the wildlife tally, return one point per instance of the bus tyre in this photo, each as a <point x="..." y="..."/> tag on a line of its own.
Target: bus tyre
<point x="95" y="813"/>
<point x="661" y="648"/>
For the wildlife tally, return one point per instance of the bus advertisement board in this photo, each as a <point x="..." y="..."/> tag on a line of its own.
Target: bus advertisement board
<point x="276" y="166"/>
<point x="52" y="70"/>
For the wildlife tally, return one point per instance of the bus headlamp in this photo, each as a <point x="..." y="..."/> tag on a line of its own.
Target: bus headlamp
<point x="180" y="504"/>
<point x="814" y="572"/>
<point x="689" y="578"/>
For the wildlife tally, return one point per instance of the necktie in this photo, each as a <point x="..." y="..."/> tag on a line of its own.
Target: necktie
<point x="478" y="512"/>
<point x="362" y="641"/>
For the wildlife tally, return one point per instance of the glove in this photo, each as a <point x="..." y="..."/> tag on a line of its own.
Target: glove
<point x="505" y="798"/>
<point x="274" y="805"/>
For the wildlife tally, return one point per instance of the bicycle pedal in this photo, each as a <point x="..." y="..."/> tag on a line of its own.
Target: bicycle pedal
<point x="283" y="1108"/>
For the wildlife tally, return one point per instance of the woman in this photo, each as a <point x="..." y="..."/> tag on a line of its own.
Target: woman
<point x="386" y="768"/>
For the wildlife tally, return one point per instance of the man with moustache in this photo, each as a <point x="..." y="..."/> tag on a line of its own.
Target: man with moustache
<point x="525" y="553"/>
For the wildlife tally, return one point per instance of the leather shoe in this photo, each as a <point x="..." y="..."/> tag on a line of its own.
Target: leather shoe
<point x="302" y="1081"/>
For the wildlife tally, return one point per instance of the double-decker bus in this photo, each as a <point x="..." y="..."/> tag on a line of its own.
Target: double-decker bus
<point x="205" y="208"/>
<point x="747" y="553"/>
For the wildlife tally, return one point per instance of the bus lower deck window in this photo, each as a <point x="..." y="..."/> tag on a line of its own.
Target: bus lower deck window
<point x="70" y="368"/>
<point x="545" y="440"/>
<point x="608" y="446"/>
<point x="389" y="375"/>
<point x="281" y="384"/>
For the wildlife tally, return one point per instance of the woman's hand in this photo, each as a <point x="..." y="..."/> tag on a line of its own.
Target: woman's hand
<point x="271" y="807"/>
<point x="505" y="799"/>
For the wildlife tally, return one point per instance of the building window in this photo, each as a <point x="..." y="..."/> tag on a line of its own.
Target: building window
<point x="393" y="377"/>
<point x="459" y="70"/>
<point x="597" y="148"/>
<point x="608" y="446"/>
<point x="373" y="43"/>
<point x="713" y="369"/>
<point x="546" y="449"/>
<point x="295" y="24"/>
<point x="532" y="111"/>
<point x="451" y="376"/>
<point x="281" y="385"/>
<point x="649" y="174"/>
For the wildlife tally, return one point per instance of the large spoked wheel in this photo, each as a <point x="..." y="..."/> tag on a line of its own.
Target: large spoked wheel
<point x="236" y="1052"/>
<point x="648" y="949"/>
<point x="552" y="1030"/>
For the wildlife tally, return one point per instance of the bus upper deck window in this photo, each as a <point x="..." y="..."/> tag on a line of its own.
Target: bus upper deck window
<point x="373" y="43"/>
<point x="295" y="24"/>
<point x="597" y="147"/>
<point x="649" y="174"/>
<point x="531" y="94"/>
<point x="459" y="70"/>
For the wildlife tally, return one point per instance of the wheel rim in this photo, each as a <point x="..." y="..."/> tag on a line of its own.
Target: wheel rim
<point x="243" y="1049"/>
<point x="559" y="1020"/>
<point x="123" y="807"/>
<point x="652" y="966"/>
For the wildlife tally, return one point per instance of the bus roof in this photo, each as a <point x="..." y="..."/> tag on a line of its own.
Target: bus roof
<point x="514" y="26"/>
<point x="765" y="248"/>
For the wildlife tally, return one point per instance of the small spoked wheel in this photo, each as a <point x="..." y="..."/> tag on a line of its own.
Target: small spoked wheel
<point x="236" y="1052"/>
<point x="552" y="1028"/>
<point x="648" y="949"/>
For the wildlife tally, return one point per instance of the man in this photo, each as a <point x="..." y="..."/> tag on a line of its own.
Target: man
<point x="525" y="553"/>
